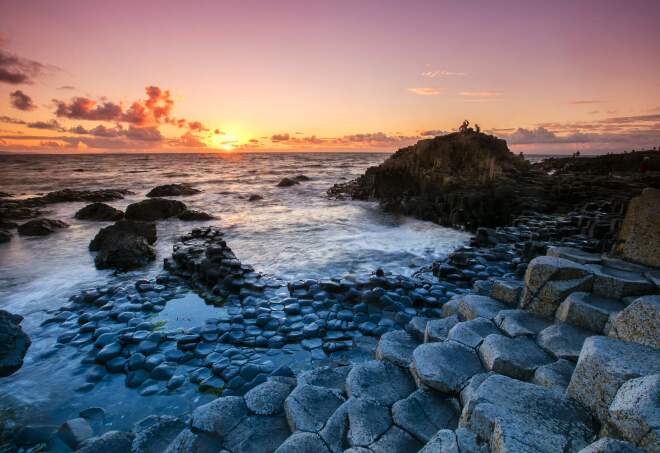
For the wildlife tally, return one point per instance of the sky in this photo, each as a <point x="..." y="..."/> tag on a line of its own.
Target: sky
<point x="229" y="76"/>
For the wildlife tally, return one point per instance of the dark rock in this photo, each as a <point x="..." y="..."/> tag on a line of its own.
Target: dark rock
<point x="192" y="214"/>
<point x="287" y="182"/>
<point x="14" y="343"/>
<point x="120" y="229"/>
<point x="40" y="227"/>
<point x="5" y="236"/>
<point x="255" y="197"/>
<point x="172" y="190"/>
<point x="154" y="209"/>
<point x="124" y="245"/>
<point x="99" y="212"/>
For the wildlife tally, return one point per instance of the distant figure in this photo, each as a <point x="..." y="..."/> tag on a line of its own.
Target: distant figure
<point x="577" y="153"/>
<point x="465" y="127"/>
<point x="521" y="155"/>
<point x="477" y="128"/>
<point x="645" y="165"/>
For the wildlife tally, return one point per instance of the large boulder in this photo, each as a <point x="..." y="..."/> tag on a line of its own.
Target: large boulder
<point x="604" y="365"/>
<point x="14" y="343"/>
<point x="445" y="366"/>
<point x="99" y="212"/>
<point x="40" y="227"/>
<point x="380" y="382"/>
<point x="513" y="416"/>
<point x="120" y="229"/>
<point x="639" y="237"/>
<point x="124" y="245"/>
<point x="155" y="209"/>
<point x="172" y="190"/>
<point x="639" y="322"/>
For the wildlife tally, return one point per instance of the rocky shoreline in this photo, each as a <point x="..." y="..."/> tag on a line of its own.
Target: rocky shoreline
<point x="530" y="339"/>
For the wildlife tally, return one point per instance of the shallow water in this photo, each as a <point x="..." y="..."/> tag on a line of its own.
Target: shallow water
<point x="292" y="233"/>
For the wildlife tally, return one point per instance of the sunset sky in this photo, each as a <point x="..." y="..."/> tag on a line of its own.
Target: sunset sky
<point x="88" y="76"/>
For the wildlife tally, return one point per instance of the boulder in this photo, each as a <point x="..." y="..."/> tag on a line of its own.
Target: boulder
<point x="417" y="327"/>
<point x="129" y="252"/>
<point x="380" y="382"/>
<point x="562" y="341"/>
<point x="603" y="366"/>
<point x="639" y="322"/>
<point x="154" y="209"/>
<point x="516" y="357"/>
<point x="445" y="366"/>
<point x="255" y="197"/>
<point x="473" y="306"/>
<point x="549" y="280"/>
<point x="267" y="398"/>
<point x="99" y="212"/>
<point x="120" y="229"/>
<point x="112" y="441"/>
<point x="220" y="416"/>
<point x="609" y="445"/>
<point x="555" y="376"/>
<point x="397" y="347"/>
<point x="287" y="182"/>
<point x="639" y="237"/>
<point x="41" y="227"/>
<point x="438" y="329"/>
<point x="14" y="343"/>
<point x="635" y="413"/>
<point x="74" y="432"/>
<point x="425" y="412"/>
<point x="308" y="407"/>
<point x="194" y="215"/>
<point x="512" y="416"/>
<point x="507" y="291"/>
<point x="172" y="190"/>
<point x="587" y="311"/>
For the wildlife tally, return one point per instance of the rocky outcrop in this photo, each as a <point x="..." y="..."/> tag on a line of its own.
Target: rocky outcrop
<point x="194" y="215"/>
<point x="125" y="245"/>
<point x="639" y="238"/>
<point x="99" y="212"/>
<point x="155" y="209"/>
<point x="14" y="343"/>
<point x="172" y="190"/>
<point x="41" y="227"/>
<point x="287" y="182"/>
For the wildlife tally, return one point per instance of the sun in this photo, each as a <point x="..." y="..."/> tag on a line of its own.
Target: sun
<point x="224" y="142"/>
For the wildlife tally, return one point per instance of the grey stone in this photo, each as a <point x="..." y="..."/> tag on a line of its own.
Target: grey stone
<point x="189" y="442"/>
<point x="220" y="416"/>
<point x="330" y="377"/>
<point x="397" y="347"/>
<point x="257" y="433"/>
<point x="450" y="308"/>
<point x="473" y="306"/>
<point x="471" y="333"/>
<point x="74" y="432"/>
<point x="472" y="385"/>
<point x="308" y="407"/>
<point x="515" y="416"/>
<point x="395" y="440"/>
<point x="267" y="398"/>
<point x="563" y="341"/>
<point x="367" y="421"/>
<point x="609" y="445"/>
<point x="555" y="376"/>
<point x="303" y="443"/>
<point x="639" y="322"/>
<point x="635" y="411"/>
<point x="520" y="322"/>
<point x="516" y="357"/>
<point x="425" y="412"/>
<point x="507" y="291"/>
<point x="549" y="280"/>
<point x="438" y="329"/>
<point x="157" y="434"/>
<point x="335" y="431"/>
<point x="586" y="311"/>
<point x="576" y="255"/>
<point x="604" y="365"/>
<point x="380" y="382"/>
<point x="640" y="233"/>
<point x="417" y="327"/>
<point x="112" y="441"/>
<point x="445" y="366"/>
<point x="444" y="441"/>
<point x="617" y="284"/>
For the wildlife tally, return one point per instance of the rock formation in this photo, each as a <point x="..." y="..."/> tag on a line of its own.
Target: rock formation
<point x="14" y="343"/>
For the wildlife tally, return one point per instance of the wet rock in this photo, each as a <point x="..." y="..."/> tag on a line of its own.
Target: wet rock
<point x="112" y="441"/>
<point x="512" y="415"/>
<point x="41" y="227"/>
<point x="172" y="190"/>
<point x="445" y="366"/>
<point x="5" y="236"/>
<point x="367" y="421"/>
<point x="255" y="197"/>
<point x="287" y="182"/>
<point x="556" y="375"/>
<point x="473" y="306"/>
<point x="220" y="416"/>
<point x="74" y="432"/>
<point x="14" y="343"/>
<point x="438" y="329"/>
<point x="303" y="443"/>
<point x="634" y="411"/>
<point x="267" y="398"/>
<point x="308" y="407"/>
<point x="639" y="322"/>
<point x="609" y="445"/>
<point x="640" y="228"/>
<point x="549" y="280"/>
<point x="397" y="347"/>
<point x="587" y="311"/>
<point x="520" y="322"/>
<point x="154" y="209"/>
<point x="154" y="434"/>
<point x="99" y="212"/>
<point x="425" y="412"/>
<point x="604" y="365"/>
<point x="563" y="341"/>
<point x="189" y="442"/>
<point x="70" y="195"/>
<point x="194" y="215"/>
<point x="257" y="433"/>
<point x="516" y="357"/>
<point x="129" y="252"/>
<point x="120" y="229"/>
<point x="417" y="327"/>
<point x="380" y="382"/>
